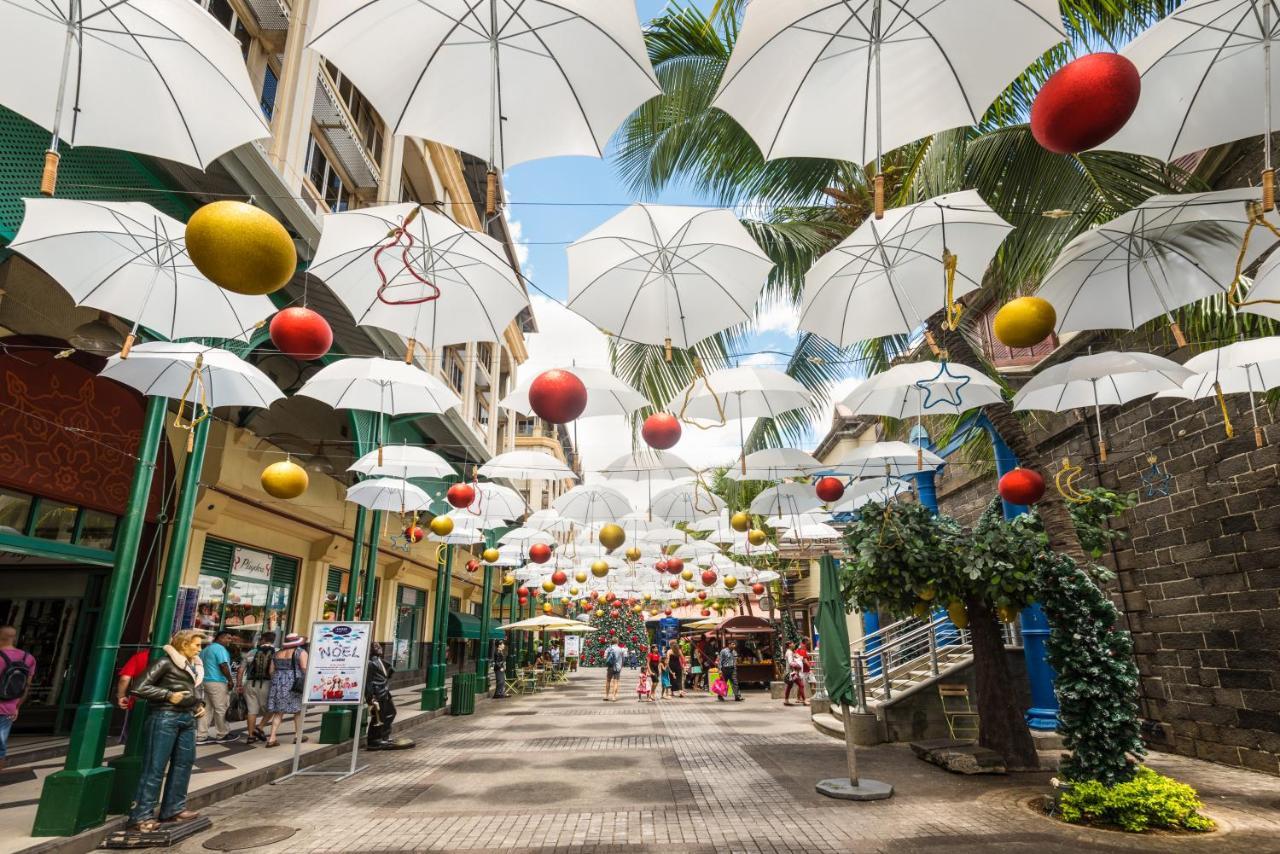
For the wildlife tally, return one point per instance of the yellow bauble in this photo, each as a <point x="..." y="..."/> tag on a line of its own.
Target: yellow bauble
<point x="489" y="555"/>
<point x="647" y="596"/>
<point x="688" y="588"/>
<point x="956" y="611"/>
<point x="241" y="248"/>
<point x="653" y="612"/>
<point x="1008" y="613"/>
<point x="285" y="479"/>
<point x="730" y="582"/>
<point x="927" y="593"/>
<point x="508" y="580"/>
<point x="441" y="526"/>
<point x="1024" y="322"/>
<point x="573" y="591"/>
<point x="638" y="609"/>
<point x="580" y="576"/>
<point x="757" y="537"/>
<point x="920" y="610"/>
<point x="612" y="536"/>
<point x="686" y="574"/>
<point x="600" y="568"/>
<point x="549" y="586"/>
<point x="546" y="607"/>
<point x="740" y="522"/>
<point x="633" y="554"/>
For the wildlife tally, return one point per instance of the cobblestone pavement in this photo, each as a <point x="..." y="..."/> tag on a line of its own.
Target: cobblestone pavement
<point x="563" y="771"/>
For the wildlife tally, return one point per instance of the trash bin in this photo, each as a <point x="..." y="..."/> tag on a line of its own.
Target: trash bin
<point x="462" y="696"/>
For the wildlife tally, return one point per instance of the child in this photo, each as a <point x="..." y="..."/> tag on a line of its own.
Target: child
<point x="644" y="687"/>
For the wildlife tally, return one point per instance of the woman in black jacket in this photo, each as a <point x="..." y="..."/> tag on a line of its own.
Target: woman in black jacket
<point x="169" y="687"/>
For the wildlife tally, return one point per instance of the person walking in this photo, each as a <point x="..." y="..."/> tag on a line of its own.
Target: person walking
<point x="17" y="669"/>
<point x="794" y="678"/>
<point x="727" y="661"/>
<point x="217" y="689"/>
<point x="500" y="671"/>
<point x="253" y="682"/>
<point x="655" y="674"/>
<point x="614" y="655"/>
<point x="675" y="668"/>
<point x="288" y="675"/>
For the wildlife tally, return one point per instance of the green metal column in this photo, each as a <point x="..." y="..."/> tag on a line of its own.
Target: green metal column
<point x="486" y="623"/>
<point x="338" y="722"/>
<point x="128" y="766"/>
<point x="371" y="569"/>
<point x="509" y="593"/>
<point x="433" y="696"/>
<point x="75" y="798"/>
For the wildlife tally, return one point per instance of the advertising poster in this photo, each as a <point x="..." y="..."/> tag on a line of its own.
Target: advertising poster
<point x="572" y="646"/>
<point x="336" y="665"/>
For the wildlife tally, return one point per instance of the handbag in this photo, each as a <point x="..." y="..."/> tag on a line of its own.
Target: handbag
<point x="299" y="679"/>
<point x="237" y="709"/>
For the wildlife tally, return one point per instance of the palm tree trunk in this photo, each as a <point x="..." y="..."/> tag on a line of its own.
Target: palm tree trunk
<point x="1001" y="726"/>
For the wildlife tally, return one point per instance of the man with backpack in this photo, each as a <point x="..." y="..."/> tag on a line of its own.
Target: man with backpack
<point x="17" y="669"/>
<point x="254" y="683"/>
<point x="614" y="656"/>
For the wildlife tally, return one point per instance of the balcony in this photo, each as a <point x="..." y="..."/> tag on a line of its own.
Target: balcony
<point x="331" y="117"/>
<point x="272" y="18"/>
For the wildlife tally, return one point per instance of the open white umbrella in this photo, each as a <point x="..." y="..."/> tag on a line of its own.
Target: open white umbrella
<point x="379" y="385"/>
<point x="862" y="492"/>
<point x="403" y="461"/>
<point x="1098" y="380"/>
<point x="390" y="494"/>
<point x="891" y="275"/>
<point x="548" y="520"/>
<point x="775" y="464"/>
<point x="524" y="537"/>
<point x="695" y="549"/>
<point x="1264" y="295"/>
<point x="735" y="394"/>
<point x="914" y="389"/>
<point x="665" y="536"/>
<point x="526" y="465"/>
<point x="1244" y="367"/>
<point x="785" y="499"/>
<point x="644" y="466"/>
<point x="129" y="259"/>
<point x="850" y="81"/>
<point x="606" y="394"/>
<point x="588" y="504"/>
<point x="667" y="275"/>
<point x="419" y="274"/>
<point x="686" y="502"/>
<point x="743" y="546"/>
<point x="885" y="460"/>
<point x="149" y="76"/>
<point x="809" y="531"/>
<point x="495" y="504"/>
<point x="1168" y="252"/>
<point x="810" y="517"/>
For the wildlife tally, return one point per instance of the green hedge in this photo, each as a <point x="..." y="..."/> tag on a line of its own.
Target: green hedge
<point x="1147" y="802"/>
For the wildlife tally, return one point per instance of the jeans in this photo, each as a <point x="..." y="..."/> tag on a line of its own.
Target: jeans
<point x="170" y="738"/>
<point x="500" y="676"/>
<point x="730" y="675"/>
<point x="216" y="699"/>
<point x="6" y="724"/>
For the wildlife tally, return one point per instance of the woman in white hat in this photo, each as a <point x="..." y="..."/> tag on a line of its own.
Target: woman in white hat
<point x="288" y="678"/>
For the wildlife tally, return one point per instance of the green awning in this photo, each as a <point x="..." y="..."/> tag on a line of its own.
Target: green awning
<point x="467" y="627"/>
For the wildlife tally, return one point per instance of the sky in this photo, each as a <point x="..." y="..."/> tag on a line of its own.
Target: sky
<point x="551" y="203"/>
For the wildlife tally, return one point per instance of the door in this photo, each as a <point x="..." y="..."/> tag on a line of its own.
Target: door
<point x="46" y="628"/>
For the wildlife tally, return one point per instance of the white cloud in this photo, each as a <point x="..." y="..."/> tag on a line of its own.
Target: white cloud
<point x="517" y="240"/>
<point x="778" y="316"/>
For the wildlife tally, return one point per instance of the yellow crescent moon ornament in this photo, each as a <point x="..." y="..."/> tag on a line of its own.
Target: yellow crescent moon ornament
<point x="285" y="479"/>
<point x="1065" y="482"/>
<point x="740" y="522"/>
<point x="241" y="248"/>
<point x="441" y="526"/>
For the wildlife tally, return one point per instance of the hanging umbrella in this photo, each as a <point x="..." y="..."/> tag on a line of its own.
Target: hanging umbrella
<point x="388" y="493"/>
<point x="742" y="546"/>
<point x="863" y="492"/>
<point x="809" y="517"/>
<point x="850" y="81"/>
<point x="667" y="275"/>
<point x="379" y="385"/>
<point x="206" y="376"/>
<point x="588" y="504"/>
<point x="645" y="466"/>
<point x="775" y="464"/>
<point x="711" y="523"/>
<point x="665" y="536"/>
<point x="809" y="532"/>
<point x="886" y="460"/>
<point x="403" y="461"/>
<point x="695" y="549"/>
<point x="1168" y="252"/>
<point x="541" y="623"/>
<point x="525" y="537"/>
<point x="150" y="76"/>
<point x="1098" y="380"/>
<point x="686" y="502"/>
<point x="1264" y="295"/>
<point x="526" y="465"/>
<point x="1244" y="367"/>
<point x="419" y="274"/>
<point x="915" y="389"/>
<point x="548" y="520"/>
<point x="786" y="499"/>
<point x="129" y="259"/>
<point x="892" y="275"/>
<point x="494" y="504"/>
<point x="734" y="394"/>
<point x="606" y="394"/>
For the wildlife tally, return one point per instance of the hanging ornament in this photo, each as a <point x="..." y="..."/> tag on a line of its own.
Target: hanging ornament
<point x="611" y="536"/>
<point x="757" y="589"/>
<point x="705" y="612"/>
<point x="301" y="333"/>
<point x="559" y="577"/>
<point x="557" y="396"/>
<point x="1024" y="322"/>
<point x="472" y="565"/>
<point x="661" y="566"/>
<point x="580" y="577"/>
<point x="1156" y="481"/>
<point x="285" y="479"/>
<point x="523" y="592"/>
<point x="757" y="537"/>
<point x="1065" y="482"/>
<point x="674" y="584"/>
<point x="549" y="586"/>
<point x="740" y="522"/>
<point x="588" y="606"/>
<point x="539" y="552"/>
<point x="1085" y="103"/>
<point x="524" y="600"/>
<point x="633" y="554"/>
<point x="600" y="569"/>
<point x="689" y="588"/>
<point x="951" y="394"/>
<point x="461" y="495"/>
<point x="675" y="565"/>
<point x="546" y="607"/>
<point x="508" y="579"/>
<point x="441" y="526"/>
<point x="414" y="534"/>
<point x="702" y="595"/>
<point x="730" y="582"/>
<point x="490" y="555"/>
<point x="240" y="248"/>
<point x="829" y="489"/>
<point x="1021" y="486"/>
<point x="958" y="613"/>
<point x="709" y="577"/>
<point x="686" y="574"/>
<point x="661" y="431"/>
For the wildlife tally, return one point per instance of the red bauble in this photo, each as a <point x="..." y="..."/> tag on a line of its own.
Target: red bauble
<point x="675" y="584"/>
<point x="661" y="431"/>
<point x="706" y="612"/>
<point x="595" y="594"/>
<point x="414" y="534"/>
<point x="557" y="396"/>
<point x="301" y="333"/>
<point x="675" y="565"/>
<point x="702" y="594"/>
<point x="613" y="631"/>
<point x="522" y="592"/>
<point x="1021" y="486"/>
<point x="473" y="565"/>
<point x="661" y="566"/>
<point x="1085" y="103"/>
<point x="558" y="577"/>
<point x="708" y="577"/>
<point x="587" y="606"/>
<point x="540" y="553"/>
<point x="610" y="596"/>
<point x="524" y="600"/>
<point x="829" y="489"/>
<point x="757" y="589"/>
<point x="667" y="612"/>
<point x="461" y="495"/>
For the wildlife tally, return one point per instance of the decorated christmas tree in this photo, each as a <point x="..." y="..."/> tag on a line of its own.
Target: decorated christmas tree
<point x="627" y="626"/>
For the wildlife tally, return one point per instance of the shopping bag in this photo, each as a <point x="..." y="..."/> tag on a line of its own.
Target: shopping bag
<point x="237" y="709"/>
<point x="719" y="688"/>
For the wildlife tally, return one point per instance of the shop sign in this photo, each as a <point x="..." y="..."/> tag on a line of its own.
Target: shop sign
<point x="248" y="563"/>
<point x="572" y="646"/>
<point x="337" y="662"/>
<point x="408" y="596"/>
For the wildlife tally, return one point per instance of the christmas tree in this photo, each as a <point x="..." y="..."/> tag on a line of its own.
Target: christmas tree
<point x="627" y="626"/>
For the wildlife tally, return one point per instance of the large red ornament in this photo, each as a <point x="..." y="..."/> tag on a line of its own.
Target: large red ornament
<point x="558" y="577"/>
<point x="461" y="495"/>
<point x="1085" y="103"/>
<point x="473" y="565"/>
<point x="301" y="333"/>
<point x="757" y="589"/>
<point x="708" y="577"/>
<point x="1021" y="486"/>
<point x="675" y="585"/>
<point x="661" y="431"/>
<point x="829" y="489"/>
<point x="557" y="396"/>
<point x="540" y="553"/>
<point x="661" y="566"/>
<point x="610" y="596"/>
<point x="675" y="565"/>
<point x="523" y="592"/>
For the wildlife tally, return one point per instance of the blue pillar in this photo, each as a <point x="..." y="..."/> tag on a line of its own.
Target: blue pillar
<point x="1043" y="714"/>
<point x="927" y="489"/>
<point x="870" y="624"/>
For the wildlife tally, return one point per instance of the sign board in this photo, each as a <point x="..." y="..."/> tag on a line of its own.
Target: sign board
<point x="248" y="563"/>
<point x="336" y="663"/>
<point x="572" y="646"/>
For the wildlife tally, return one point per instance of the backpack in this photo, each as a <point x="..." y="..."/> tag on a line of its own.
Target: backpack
<point x="15" y="677"/>
<point x="260" y="665"/>
<point x="612" y="660"/>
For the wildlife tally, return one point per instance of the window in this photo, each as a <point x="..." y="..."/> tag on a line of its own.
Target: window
<point x="484" y="353"/>
<point x="477" y="610"/>
<point x="456" y="374"/>
<point x="270" y="82"/>
<point x="55" y="521"/>
<point x="482" y="412"/>
<point x="362" y="113"/>
<point x="15" y="508"/>
<point x="324" y="178"/>
<point x="223" y="13"/>
<point x="97" y="530"/>
<point x="455" y="603"/>
<point x="526" y="426"/>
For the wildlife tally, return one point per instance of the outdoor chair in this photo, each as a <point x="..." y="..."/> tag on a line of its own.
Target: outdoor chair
<point x="962" y="720"/>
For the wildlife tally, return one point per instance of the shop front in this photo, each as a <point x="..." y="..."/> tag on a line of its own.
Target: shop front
<point x="411" y="621"/>
<point x="245" y="591"/>
<point x="465" y="641"/>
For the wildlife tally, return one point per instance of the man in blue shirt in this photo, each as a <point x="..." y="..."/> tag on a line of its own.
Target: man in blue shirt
<point x="217" y="689"/>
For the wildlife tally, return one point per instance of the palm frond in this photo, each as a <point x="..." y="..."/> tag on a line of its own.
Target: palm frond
<point x="816" y="364"/>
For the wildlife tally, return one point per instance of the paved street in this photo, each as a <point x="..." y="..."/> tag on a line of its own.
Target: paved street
<point x="564" y="771"/>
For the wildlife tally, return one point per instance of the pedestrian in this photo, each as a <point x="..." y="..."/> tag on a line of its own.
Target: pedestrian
<point x="727" y="661"/>
<point x="253" y="681"/>
<point x="218" y="678"/>
<point x="614" y="655"/>
<point x="288" y="679"/>
<point x="675" y="668"/>
<point x="382" y="708"/>
<point x="17" y="669"/>
<point x="130" y="672"/>
<point x="500" y="671"/>
<point x="644" y="686"/>
<point x="655" y="674"/>
<point x="794" y="678"/>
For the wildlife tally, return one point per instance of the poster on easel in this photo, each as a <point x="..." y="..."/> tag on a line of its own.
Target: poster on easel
<point x="572" y="646"/>
<point x="337" y="662"/>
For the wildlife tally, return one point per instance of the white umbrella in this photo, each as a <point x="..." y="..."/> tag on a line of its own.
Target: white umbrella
<point x="849" y="81"/>
<point x="526" y="465"/>
<point x="525" y="537"/>
<point x="786" y="499"/>
<point x="775" y="464"/>
<point x="129" y="259"/>
<point x="695" y="549"/>
<point x="665" y="536"/>
<point x="1168" y="252"/>
<point x="379" y="385"/>
<point x="606" y="394"/>
<point x="886" y="460"/>
<point x="862" y="492"/>
<point x="495" y="503"/>
<point x="686" y="502"/>
<point x="548" y="520"/>
<point x="810" y="517"/>
<point x="207" y="377"/>
<point x="645" y="466"/>
<point x="1264" y="295"/>
<point x="711" y="523"/>
<point x="914" y="389"/>
<point x="388" y="493"/>
<point x="891" y="275"/>
<point x="667" y="275"/>
<point x="150" y="76"/>
<point x="743" y="546"/>
<point x="740" y="393"/>
<point x="808" y="532"/>
<point x="403" y="461"/>
<point x="419" y="274"/>
<point x="588" y="504"/>
<point x="1098" y="380"/>
<point x="1245" y="367"/>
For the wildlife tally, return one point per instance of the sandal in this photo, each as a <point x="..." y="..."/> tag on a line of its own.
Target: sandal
<point x="273" y="744"/>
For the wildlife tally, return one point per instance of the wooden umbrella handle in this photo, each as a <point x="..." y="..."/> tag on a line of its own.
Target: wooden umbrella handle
<point x="1268" y="190"/>
<point x="49" y="178"/>
<point x="491" y="193"/>
<point x="879" y="196"/>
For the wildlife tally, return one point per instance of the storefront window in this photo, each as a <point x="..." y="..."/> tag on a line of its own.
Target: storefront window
<point x="246" y="608"/>
<point x="56" y="521"/>
<point x="213" y="592"/>
<point x="97" y="530"/>
<point x="409" y="625"/>
<point x="14" y="510"/>
<point x="245" y="591"/>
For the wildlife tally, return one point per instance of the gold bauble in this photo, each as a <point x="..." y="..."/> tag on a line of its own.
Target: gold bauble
<point x="489" y="555"/>
<point x="1007" y="613"/>
<point x="612" y="536"/>
<point x="740" y="521"/>
<point x="580" y="576"/>
<point x="600" y="568"/>
<point x="633" y="554"/>
<point x="730" y="582"/>
<point x="1024" y="322"/>
<point x="637" y="608"/>
<point x="508" y="580"/>
<point x="927" y="593"/>
<point x="689" y="588"/>
<point x="549" y="586"/>
<point x="653" y="612"/>
<point x="686" y="574"/>
<point x="757" y="537"/>
<point x="546" y="607"/>
<point x="647" y="596"/>
<point x="285" y="479"/>
<point x="441" y="526"/>
<point x="573" y="591"/>
<point x="241" y="248"/>
<point x="956" y="611"/>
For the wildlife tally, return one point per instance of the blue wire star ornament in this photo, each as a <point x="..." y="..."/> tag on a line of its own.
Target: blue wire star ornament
<point x="1155" y="480"/>
<point x="953" y="396"/>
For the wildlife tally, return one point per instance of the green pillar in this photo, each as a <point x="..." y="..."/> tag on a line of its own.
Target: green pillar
<point x="509" y="593"/>
<point x="486" y="624"/>
<point x="75" y="798"/>
<point x="434" y="695"/>
<point x="371" y="568"/>
<point x="128" y="767"/>
<point x="338" y="722"/>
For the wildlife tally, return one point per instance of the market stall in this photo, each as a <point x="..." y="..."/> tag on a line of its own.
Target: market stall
<point x="753" y="639"/>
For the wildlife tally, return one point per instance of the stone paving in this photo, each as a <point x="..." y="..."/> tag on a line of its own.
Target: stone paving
<point x="690" y="775"/>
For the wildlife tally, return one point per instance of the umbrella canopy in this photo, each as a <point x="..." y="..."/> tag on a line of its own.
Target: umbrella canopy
<point x="1100" y="379"/>
<point x="495" y="503"/>
<point x="809" y="531"/>
<point x="129" y="259"/>
<point x="833" y="630"/>
<point x="1264" y="297"/>
<point x="548" y="520"/>
<point x="866" y="491"/>
<point x="542" y="623"/>
<point x="1244" y="367"/>
<point x="914" y="389"/>
<point x="887" y="460"/>
<point x="695" y="549"/>
<point x="527" y="465"/>
<point x="539" y="78"/>
<point x="794" y="520"/>
<point x="419" y="274"/>
<point x="891" y="275"/>
<point x="403" y="461"/>
<point x="606" y="394"/>
<point x="388" y="493"/>
<point x="736" y="393"/>
<point x="786" y="499"/>
<point x="643" y="466"/>
<point x="193" y="372"/>
<point x="667" y="275"/>
<point x="775" y="464"/>
<point x="1168" y="252"/>
<point x="150" y="76"/>
<point x="686" y="502"/>
<point x="525" y="537"/>
<point x="743" y="546"/>
<point x="665" y="536"/>
<point x="588" y="504"/>
<point x="379" y="385"/>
